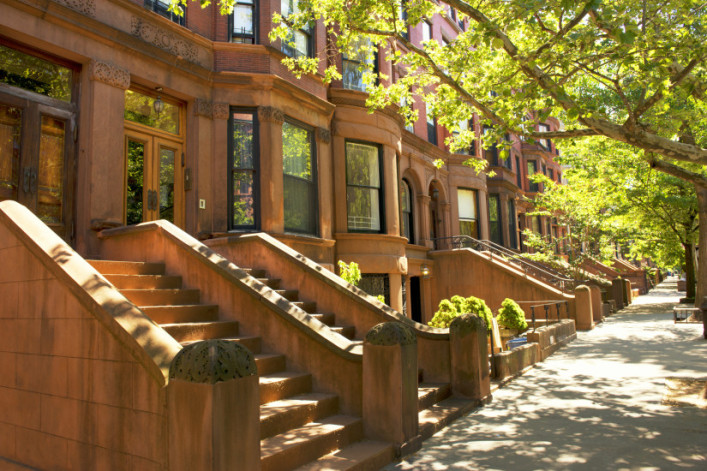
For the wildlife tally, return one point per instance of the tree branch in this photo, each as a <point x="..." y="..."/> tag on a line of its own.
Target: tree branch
<point x="676" y="171"/>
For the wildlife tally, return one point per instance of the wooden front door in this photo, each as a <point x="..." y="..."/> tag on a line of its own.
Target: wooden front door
<point x="153" y="178"/>
<point x="36" y="159"/>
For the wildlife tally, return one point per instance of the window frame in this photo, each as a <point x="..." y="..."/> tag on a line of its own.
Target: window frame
<point x="231" y="20"/>
<point x="255" y="170"/>
<point x="165" y="13"/>
<point x="512" y="223"/>
<point x="314" y="181"/>
<point x="475" y="192"/>
<point x="533" y="187"/>
<point x="499" y="215"/>
<point x="376" y="69"/>
<point x="381" y="188"/>
<point x="309" y="32"/>
<point x="408" y="216"/>
<point x="544" y="143"/>
<point x="431" y="126"/>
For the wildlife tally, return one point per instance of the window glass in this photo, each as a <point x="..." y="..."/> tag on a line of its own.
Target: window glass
<point x="468" y="221"/>
<point x="512" y="231"/>
<point x="532" y="170"/>
<point x="376" y="285"/>
<point x="406" y="209"/>
<point x="243" y="144"/>
<point x="140" y="109"/>
<point x="243" y="22"/>
<point x="431" y="128"/>
<point x="50" y="188"/>
<point x="495" y="219"/>
<point x="363" y="181"/>
<point x="300" y="195"/>
<point x="544" y="143"/>
<point x="35" y="74"/>
<point x="426" y="31"/>
<point x="298" y="44"/>
<point x="354" y="65"/>
<point x="161" y="7"/>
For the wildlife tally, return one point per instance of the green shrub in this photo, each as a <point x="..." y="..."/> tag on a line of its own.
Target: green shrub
<point x="511" y="315"/>
<point x="478" y="306"/>
<point x="458" y="305"/>
<point x="446" y="312"/>
<point x="349" y="272"/>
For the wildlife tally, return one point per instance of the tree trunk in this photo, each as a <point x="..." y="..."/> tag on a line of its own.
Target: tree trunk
<point x="701" y="291"/>
<point x="689" y="270"/>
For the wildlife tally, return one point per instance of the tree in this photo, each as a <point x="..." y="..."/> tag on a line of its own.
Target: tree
<point x="622" y="200"/>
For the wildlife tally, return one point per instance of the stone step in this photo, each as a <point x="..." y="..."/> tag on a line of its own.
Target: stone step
<point x="188" y="313"/>
<point x="277" y="386"/>
<point x="326" y="319"/>
<point x="438" y="416"/>
<point x="273" y="283"/>
<point x="269" y="363"/>
<point x="366" y="455"/>
<point x="145" y="281"/>
<point x="429" y="394"/>
<point x="280" y="416"/>
<point x="306" y="306"/>
<point x="161" y="297"/>
<point x="186" y="331"/>
<point x="253" y="344"/>
<point x="347" y="331"/>
<point x="115" y="267"/>
<point x="289" y="294"/>
<point x="301" y="445"/>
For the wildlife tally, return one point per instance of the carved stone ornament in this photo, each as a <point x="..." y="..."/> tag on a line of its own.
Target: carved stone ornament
<point x="110" y="74"/>
<point x="391" y="333"/>
<point x="324" y="135"/>
<point x="212" y="361"/>
<point x="271" y="114"/>
<point x="467" y="323"/>
<point x="87" y="7"/>
<point x="220" y="110"/>
<point x="163" y="39"/>
<point x="203" y="108"/>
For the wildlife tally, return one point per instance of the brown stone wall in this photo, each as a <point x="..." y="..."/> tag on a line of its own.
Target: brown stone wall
<point x="468" y="273"/>
<point x="71" y="395"/>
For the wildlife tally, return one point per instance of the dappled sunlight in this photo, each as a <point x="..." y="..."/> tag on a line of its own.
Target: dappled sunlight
<point x="595" y="404"/>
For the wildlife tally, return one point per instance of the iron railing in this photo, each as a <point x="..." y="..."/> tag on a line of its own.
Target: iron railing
<point x="547" y="307"/>
<point x="528" y="267"/>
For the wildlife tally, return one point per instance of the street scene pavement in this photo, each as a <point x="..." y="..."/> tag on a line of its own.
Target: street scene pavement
<point x="594" y="405"/>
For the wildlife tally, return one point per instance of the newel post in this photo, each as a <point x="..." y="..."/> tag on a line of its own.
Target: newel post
<point x="469" y="357"/>
<point x="583" y="301"/>
<point x="390" y="383"/>
<point x="617" y="292"/>
<point x="214" y="408"/>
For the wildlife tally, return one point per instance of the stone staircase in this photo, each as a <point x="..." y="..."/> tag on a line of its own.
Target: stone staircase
<point x="299" y="427"/>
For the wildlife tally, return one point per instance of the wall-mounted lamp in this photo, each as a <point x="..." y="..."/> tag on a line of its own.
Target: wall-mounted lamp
<point x="425" y="271"/>
<point x="435" y="193"/>
<point x="158" y="105"/>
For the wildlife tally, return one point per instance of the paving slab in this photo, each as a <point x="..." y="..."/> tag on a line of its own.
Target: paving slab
<point x="594" y="405"/>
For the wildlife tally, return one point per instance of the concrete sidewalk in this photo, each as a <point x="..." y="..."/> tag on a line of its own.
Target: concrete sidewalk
<point x="594" y="405"/>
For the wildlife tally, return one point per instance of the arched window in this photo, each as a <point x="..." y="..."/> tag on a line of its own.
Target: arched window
<point x="408" y="229"/>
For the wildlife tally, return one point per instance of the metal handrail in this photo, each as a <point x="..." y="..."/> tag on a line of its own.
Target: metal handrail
<point x="529" y="268"/>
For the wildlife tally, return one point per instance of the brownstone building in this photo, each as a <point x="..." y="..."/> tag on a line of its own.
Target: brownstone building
<point x="117" y="112"/>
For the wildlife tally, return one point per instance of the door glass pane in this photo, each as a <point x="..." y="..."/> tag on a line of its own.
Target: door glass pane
<point x="50" y="184"/>
<point x="140" y="108"/>
<point x="10" y="129"/>
<point x="167" y="157"/>
<point x="34" y="74"/>
<point x="243" y="214"/>
<point x="134" y="189"/>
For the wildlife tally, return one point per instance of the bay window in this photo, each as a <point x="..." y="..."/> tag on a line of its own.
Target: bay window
<point x="364" y="184"/>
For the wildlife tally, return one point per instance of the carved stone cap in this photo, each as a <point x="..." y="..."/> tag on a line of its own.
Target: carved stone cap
<point x="323" y="135"/>
<point x="467" y="323"/>
<point x="213" y="361"/>
<point x="583" y="288"/>
<point x="110" y="74"/>
<point x="271" y="114"/>
<point x="391" y="333"/>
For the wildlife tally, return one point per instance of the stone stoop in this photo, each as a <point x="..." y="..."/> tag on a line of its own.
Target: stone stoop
<point x="299" y="427"/>
<point x="438" y="408"/>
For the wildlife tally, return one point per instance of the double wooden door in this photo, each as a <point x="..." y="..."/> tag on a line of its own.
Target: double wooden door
<point x="153" y="178"/>
<point x="36" y="158"/>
